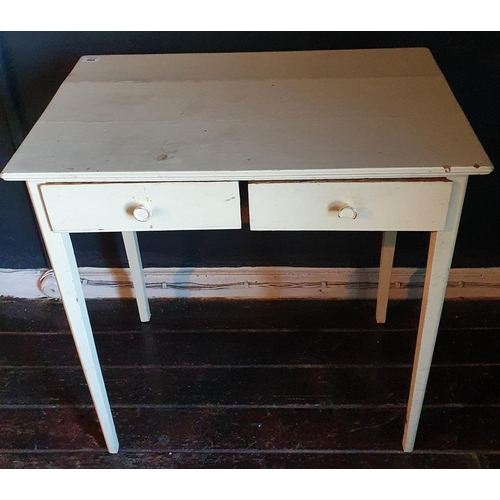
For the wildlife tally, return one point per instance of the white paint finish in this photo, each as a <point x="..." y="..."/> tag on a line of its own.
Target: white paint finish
<point x="205" y="101"/>
<point x="441" y="248"/>
<point x="380" y="206"/>
<point x="135" y="263"/>
<point x="320" y="147"/>
<point x="384" y="277"/>
<point x="257" y="65"/>
<point x="173" y="206"/>
<point x="252" y="283"/>
<point x="308" y="115"/>
<point x="369" y="114"/>
<point x="62" y="258"/>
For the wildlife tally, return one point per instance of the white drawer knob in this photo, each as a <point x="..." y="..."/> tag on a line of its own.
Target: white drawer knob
<point x="347" y="212"/>
<point x="142" y="213"/>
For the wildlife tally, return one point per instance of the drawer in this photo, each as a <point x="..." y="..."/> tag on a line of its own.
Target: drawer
<point x="349" y="205"/>
<point x="146" y="206"/>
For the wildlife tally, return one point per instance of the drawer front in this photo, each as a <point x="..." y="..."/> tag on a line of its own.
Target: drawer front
<point x="142" y="206"/>
<point x="349" y="206"/>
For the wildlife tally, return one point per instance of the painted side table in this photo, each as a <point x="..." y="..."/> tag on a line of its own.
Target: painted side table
<point x="351" y="140"/>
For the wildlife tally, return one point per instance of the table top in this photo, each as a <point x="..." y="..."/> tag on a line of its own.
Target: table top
<point x="374" y="113"/>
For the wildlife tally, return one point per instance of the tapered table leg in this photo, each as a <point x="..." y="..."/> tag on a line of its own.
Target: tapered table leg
<point x="442" y="244"/>
<point x="62" y="258"/>
<point x="384" y="274"/>
<point x="135" y="265"/>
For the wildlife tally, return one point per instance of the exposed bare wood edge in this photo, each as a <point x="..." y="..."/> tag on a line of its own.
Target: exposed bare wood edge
<point x="249" y="175"/>
<point x="395" y="179"/>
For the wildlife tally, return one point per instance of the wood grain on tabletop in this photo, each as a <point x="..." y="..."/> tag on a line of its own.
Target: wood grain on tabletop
<point x="363" y="113"/>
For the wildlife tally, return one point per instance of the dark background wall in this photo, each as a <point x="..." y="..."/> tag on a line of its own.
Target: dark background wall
<point x="34" y="64"/>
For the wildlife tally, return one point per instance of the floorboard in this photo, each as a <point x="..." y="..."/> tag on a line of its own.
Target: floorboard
<point x="249" y="384"/>
<point x="236" y="460"/>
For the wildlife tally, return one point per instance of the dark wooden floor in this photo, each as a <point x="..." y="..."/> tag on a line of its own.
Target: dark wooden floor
<point x="219" y="384"/>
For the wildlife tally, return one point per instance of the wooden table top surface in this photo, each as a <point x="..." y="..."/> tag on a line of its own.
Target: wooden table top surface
<point x="374" y="113"/>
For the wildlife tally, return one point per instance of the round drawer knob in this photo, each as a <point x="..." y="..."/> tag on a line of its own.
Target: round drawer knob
<point x="142" y="213"/>
<point x="347" y="212"/>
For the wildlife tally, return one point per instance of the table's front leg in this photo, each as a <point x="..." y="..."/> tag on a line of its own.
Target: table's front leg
<point x="62" y="258"/>
<point x="442" y="244"/>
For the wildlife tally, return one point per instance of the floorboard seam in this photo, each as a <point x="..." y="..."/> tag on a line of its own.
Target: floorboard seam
<point x="247" y="367"/>
<point x="290" y="406"/>
<point x="243" y="451"/>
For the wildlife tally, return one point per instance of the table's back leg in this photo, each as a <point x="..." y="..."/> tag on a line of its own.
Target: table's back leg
<point x="137" y="274"/>
<point x="384" y="274"/>
<point x="62" y="258"/>
<point x="442" y="244"/>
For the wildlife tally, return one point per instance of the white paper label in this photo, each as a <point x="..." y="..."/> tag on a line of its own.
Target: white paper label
<point x="90" y="59"/>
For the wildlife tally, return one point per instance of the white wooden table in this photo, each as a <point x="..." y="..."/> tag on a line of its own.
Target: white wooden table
<point x="352" y="140"/>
